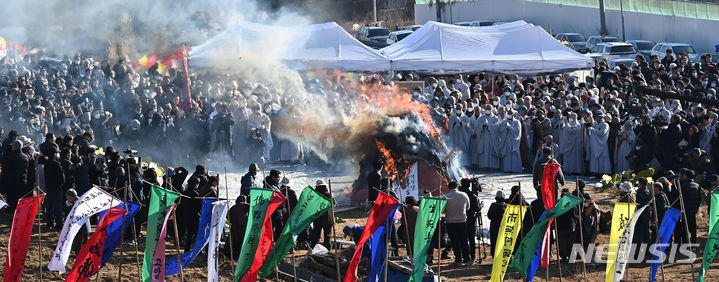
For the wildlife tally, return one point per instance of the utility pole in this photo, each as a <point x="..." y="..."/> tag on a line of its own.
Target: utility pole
<point x="602" y="20"/>
<point x="374" y="8"/>
<point x="621" y="8"/>
<point x="439" y="10"/>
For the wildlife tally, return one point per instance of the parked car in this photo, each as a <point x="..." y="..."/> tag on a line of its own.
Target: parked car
<point x="715" y="58"/>
<point x="374" y="36"/>
<point x="396" y="36"/>
<point x="475" y="23"/>
<point x="410" y="27"/>
<point x="661" y="49"/>
<point x="616" y="50"/>
<point x="643" y="47"/>
<point x="622" y="61"/>
<point x="594" y="40"/>
<point x="574" y="40"/>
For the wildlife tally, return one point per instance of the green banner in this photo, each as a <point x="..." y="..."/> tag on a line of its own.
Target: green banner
<point x="713" y="210"/>
<point x="259" y="200"/>
<point x="525" y="253"/>
<point x="710" y="250"/>
<point x="311" y="205"/>
<point x="160" y="202"/>
<point x="430" y="209"/>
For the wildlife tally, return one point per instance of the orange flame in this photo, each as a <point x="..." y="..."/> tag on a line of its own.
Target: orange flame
<point x="390" y="166"/>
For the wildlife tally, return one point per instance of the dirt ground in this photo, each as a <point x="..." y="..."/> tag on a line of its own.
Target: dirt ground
<point x="38" y="258"/>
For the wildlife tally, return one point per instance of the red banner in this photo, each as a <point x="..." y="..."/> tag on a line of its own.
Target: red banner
<point x="266" y="240"/>
<point x="88" y="260"/>
<point x="20" y="234"/>
<point x="383" y="206"/>
<point x="549" y="200"/>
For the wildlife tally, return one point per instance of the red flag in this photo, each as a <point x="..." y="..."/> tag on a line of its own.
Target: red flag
<point x="20" y="234"/>
<point x="549" y="200"/>
<point x="177" y="56"/>
<point x="266" y="240"/>
<point x="383" y="206"/>
<point x="88" y="260"/>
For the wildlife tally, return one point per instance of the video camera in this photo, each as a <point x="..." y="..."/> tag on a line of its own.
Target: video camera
<point x="130" y="152"/>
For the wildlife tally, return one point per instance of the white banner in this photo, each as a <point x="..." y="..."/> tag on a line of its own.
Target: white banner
<point x="412" y="187"/>
<point x="92" y="202"/>
<point x="625" y="244"/>
<point x="219" y="215"/>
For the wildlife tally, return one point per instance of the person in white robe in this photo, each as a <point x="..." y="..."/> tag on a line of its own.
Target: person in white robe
<point x="598" y="155"/>
<point x="710" y="125"/>
<point x="487" y="128"/>
<point x="625" y="145"/>
<point x="474" y="137"/>
<point x="511" y="131"/>
<point x="572" y="149"/>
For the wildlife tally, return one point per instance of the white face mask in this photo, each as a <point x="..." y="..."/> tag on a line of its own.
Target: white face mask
<point x="434" y="85"/>
<point x="714" y="84"/>
<point x="711" y="120"/>
<point x="459" y="80"/>
<point x="486" y="112"/>
<point x="507" y="93"/>
<point x="495" y="103"/>
<point x="585" y="204"/>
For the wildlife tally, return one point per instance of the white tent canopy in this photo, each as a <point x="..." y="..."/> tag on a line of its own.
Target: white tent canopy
<point x="516" y="47"/>
<point x="324" y="45"/>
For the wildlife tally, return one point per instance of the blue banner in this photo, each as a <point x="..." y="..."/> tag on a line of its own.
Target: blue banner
<point x="534" y="265"/>
<point x="203" y="236"/>
<point x="112" y="239"/>
<point x="379" y="248"/>
<point x="665" y="233"/>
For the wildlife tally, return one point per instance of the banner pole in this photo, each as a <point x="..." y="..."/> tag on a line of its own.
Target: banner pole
<point x="232" y="252"/>
<point x="39" y="236"/>
<point x="134" y="229"/>
<point x="581" y="228"/>
<point x="388" y="229"/>
<point x="686" y="223"/>
<point x="122" y="236"/>
<point x="406" y="227"/>
<point x="177" y="245"/>
<point x="559" y="260"/>
<point x="334" y="234"/>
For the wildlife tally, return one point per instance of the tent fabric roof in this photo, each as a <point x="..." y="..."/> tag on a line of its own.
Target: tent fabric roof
<point x="516" y="47"/>
<point x="324" y="45"/>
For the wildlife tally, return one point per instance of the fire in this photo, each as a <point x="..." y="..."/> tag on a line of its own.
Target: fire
<point x="390" y="166"/>
<point x="394" y="101"/>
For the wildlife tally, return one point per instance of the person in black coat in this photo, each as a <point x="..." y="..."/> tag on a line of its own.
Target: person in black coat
<point x="49" y="147"/>
<point x="15" y="174"/>
<point x="538" y="173"/>
<point x="692" y="196"/>
<point x="566" y="227"/>
<point x="472" y="214"/>
<point x="644" y="197"/>
<point x="238" y="224"/>
<point x="374" y="179"/>
<point x="495" y="214"/>
<point x="323" y="224"/>
<point x="7" y="143"/>
<point x="65" y="157"/>
<point x="54" y="180"/>
<point x="191" y="209"/>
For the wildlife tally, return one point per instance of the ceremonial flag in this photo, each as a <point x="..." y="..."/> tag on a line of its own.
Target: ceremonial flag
<point x="620" y="220"/>
<point x="412" y="187"/>
<point x="665" y="233"/>
<point x="201" y="239"/>
<point x="508" y="231"/>
<point x="113" y="230"/>
<point x="548" y="198"/>
<point x="266" y="240"/>
<point x="158" y="260"/>
<point x="625" y="244"/>
<point x="430" y="209"/>
<point x="89" y="258"/>
<point x="89" y="204"/>
<point x="381" y="209"/>
<point x="219" y="215"/>
<point x="310" y="206"/>
<point x="536" y="260"/>
<point x="714" y="211"/>
<point x="160" y="202"/>
<point x="259" y="202"/>
<point x="523" y="256"/>
<point x="379" y="248"/>
<point x="710" y="249"/>
<point x="187" y="96"/>
<point x="20" y="234"/>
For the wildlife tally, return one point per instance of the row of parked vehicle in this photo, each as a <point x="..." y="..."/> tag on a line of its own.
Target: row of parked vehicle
<point x="618" y="52"/>
<point x="379" y="37"/>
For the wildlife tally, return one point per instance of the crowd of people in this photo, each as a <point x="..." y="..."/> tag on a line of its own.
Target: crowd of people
<point x="593" y="125"/>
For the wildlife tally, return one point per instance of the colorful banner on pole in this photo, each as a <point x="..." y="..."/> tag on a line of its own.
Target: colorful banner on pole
<point x="430" y="209"/>
<point x="412" y="186"/>
<point x="158" y="260"/>
<point x="710" y="250"/>
<point x="625" y="245"/>
<point x="114" y="233"/>
<point x="160" y="202"/>
<point x="89" y="204"/>
<point x="508" y="232"/>
<point x="259" y="202"/>
<point x="714" y="210"/>
<point x="523" y="257"/>
<point x="665" y="233"/>
<point x="217" y="224"/>
<point x="536" y="260"/>
<point x="89" y="258"/>
<point x="548" y="198"/>
<point x="310" y="206"/>
<point x="381" y="209"/>
<point x="20" y="234"/>
<point x="266" y="240"/>
<point x="201" y="239"/>
<point x="620" y="220"/>
<point x="378" y="243"/>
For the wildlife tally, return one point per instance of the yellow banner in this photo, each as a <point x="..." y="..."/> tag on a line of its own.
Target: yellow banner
<point x="620" y="220"/>
<point x="508" y="231"/>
